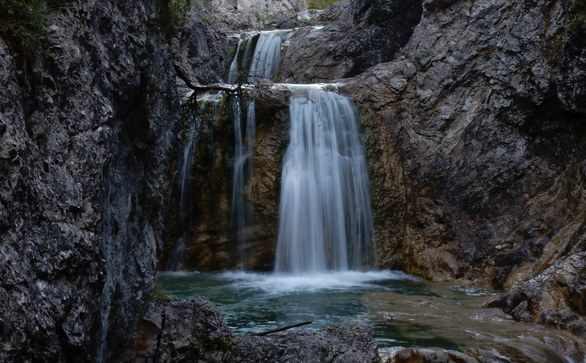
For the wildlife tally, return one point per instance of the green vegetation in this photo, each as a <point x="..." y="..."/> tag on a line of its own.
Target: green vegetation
<point x="578" y="17"/>
<point x="215" y="348"/>
<point x="160" y="295"/>
<point x="321" y="4"/>
<point x="174" y="12"/>
<point x="21" y="25"/>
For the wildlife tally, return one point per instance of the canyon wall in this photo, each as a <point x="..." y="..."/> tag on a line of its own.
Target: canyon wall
<point x="88" y="129"/>
<point x="476" y="135"/>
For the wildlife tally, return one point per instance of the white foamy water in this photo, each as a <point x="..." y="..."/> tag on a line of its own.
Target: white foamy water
<point x="325" y="218"/>
<point x="285" y="283"/>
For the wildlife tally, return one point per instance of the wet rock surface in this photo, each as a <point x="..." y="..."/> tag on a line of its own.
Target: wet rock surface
<point x="210" y="244"/>
<point x="180" y="330"/>
<point x="554" y="298"/>
<point x="353" y="342"/>
<point x="193" y="329"/>
<point x="467" y="331"/>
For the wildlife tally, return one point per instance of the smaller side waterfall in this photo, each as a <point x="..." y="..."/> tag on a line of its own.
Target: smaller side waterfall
<point x="325" y="213"/>
<point x="233" y="72"/>
<point x="244" y="138"/>
<point x="183" y="181"/>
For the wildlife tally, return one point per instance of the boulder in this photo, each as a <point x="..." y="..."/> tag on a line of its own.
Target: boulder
<point x="193" y="329"/>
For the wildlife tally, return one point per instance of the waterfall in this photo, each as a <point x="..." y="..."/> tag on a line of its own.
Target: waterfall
<point x="244" y="139"/>
<point x="233" y="72"/>
<point x="183" y="181"/>
<point x="266" y="57"/>
<point x="325" y="218"/>
<point x="261" y="56"/>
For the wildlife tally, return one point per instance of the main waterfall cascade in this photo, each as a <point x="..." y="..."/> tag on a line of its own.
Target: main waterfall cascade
<point x="325" y="218"/>
<point x="324" y="213"/>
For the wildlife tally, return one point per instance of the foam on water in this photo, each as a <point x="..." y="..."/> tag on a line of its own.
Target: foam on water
<point x="285" y="283"/>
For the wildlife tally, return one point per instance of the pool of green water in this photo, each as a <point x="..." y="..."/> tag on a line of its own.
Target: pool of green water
<point x="253" y="302"/>
<point x="404" y="310"/>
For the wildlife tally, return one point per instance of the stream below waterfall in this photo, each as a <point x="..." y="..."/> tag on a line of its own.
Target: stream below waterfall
<point x="406" y="311"/>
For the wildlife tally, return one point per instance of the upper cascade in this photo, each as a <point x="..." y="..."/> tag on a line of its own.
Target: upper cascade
<point x="257" y="56"/>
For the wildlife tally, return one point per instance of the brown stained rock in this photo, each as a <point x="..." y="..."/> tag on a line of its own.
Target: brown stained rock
<point x="478" y="171"/>
<point x="550" y="298"/>
<point x="210" y="243"/>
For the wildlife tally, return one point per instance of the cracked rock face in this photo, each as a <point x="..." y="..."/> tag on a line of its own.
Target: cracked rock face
<point x="366" y="33"/>
<point x="85" y="141"/>
<point x="256" y="14"/>
<point x="477" y="163"/>
<point x="555" y="298"/>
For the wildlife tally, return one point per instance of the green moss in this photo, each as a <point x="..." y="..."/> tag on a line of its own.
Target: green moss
<point x="321" y="4"/>
<point x="206" y="347"/>
<point x="22" y="25"/>
<point x="160" y="295"/>
<point x="578" y="13"/>
<point x="174" y="12"/>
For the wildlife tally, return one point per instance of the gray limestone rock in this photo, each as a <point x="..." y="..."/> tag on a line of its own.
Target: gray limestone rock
<point x="367" y="33"/>
<point x="193" y="329"/>
<point x="477" y="154"/>
<point x="353" y="342"/>
<point x="86" y="140"/>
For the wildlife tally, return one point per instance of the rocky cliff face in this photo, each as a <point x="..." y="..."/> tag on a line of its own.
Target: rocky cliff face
<point x="256" y="14"/>
<point x="365" y="33"/>
<point x="86" y="137"/>
<point x="476" y="145"/>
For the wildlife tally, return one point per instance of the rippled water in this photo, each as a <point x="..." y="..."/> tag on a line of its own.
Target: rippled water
<point x="404" y="310"/>
<point x="253" y="302"/>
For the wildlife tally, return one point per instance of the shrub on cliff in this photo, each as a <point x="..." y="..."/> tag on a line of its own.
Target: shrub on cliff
<point x="21" y="24"/>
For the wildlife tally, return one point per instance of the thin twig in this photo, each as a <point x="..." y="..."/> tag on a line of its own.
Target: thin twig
<point x="283" y="328"/>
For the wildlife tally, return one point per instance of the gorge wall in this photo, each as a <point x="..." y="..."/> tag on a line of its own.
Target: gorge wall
<point x="88" y="130"/>
<point x="477" y="140"/>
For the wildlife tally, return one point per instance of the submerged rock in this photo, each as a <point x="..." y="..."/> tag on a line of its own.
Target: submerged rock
<point x="467" y="332"/>
<point x="424" y="355"/>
